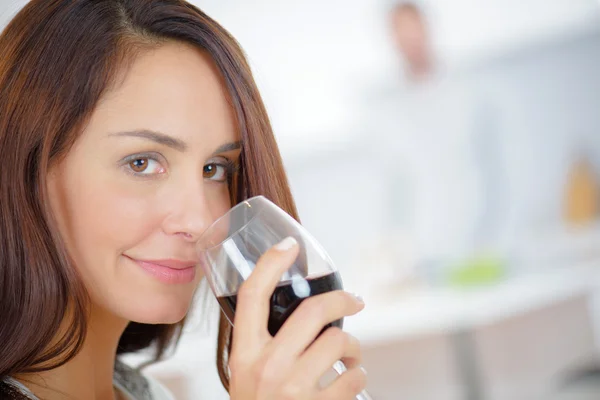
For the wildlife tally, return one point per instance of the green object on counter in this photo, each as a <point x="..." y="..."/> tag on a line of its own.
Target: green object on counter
<point x="477" y="271"/>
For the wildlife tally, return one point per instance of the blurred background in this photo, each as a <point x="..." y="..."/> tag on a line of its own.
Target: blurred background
<point x="447" y="155"/>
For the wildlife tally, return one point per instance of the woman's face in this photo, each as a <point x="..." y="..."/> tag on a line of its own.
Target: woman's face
<point x="147" y="176"/>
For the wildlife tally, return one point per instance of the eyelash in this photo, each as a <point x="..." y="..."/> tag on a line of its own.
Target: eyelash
<point x="141" y="156"/>
<point x="231" y="167"/>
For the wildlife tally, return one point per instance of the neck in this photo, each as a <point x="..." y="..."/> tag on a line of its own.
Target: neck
<point x="89" y="375"/>
<point x="419" y="73"/>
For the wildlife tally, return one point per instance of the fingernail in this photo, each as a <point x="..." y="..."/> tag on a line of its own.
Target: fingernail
<point x="364" y="371"/>
<point x="358" y="297"/>
<point x="286" y="244"/>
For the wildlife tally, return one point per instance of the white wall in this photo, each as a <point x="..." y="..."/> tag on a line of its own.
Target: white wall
<point x="8" y="9"/>
<point x="305" y="56"/>
<point x="474" y="28"/>
<point x="314" y="58"/>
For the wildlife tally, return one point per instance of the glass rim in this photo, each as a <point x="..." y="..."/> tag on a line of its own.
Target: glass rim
<point x="246" y="202"/>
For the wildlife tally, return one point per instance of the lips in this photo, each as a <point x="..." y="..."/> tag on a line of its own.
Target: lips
<point x="171" y="263"/>
<point x="170" y="271"/>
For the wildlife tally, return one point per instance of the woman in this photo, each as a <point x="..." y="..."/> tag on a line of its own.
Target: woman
<point x="126" y="128"/>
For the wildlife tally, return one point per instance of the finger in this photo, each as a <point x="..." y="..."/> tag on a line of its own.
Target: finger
<point x="331" y="346"/>
<point x="308" y="320"/>
<point x="253" y="298"/>
<point x="345" y="386"/>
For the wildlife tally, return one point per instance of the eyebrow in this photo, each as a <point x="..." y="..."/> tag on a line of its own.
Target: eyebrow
<point x="157" y="137"/>
<point x="172" y="142"/>
<point x="228" y="147"/>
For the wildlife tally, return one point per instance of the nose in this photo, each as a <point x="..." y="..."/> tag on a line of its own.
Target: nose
<point x="190" y="214"/>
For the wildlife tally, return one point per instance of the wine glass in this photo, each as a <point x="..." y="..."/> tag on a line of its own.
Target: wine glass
<point x="232" y="245"/>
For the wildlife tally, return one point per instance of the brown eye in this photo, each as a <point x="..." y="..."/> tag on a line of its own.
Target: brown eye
<point x="210" y="171"/>
<point x="215" y="172"/>
<point x="139" y="164"/>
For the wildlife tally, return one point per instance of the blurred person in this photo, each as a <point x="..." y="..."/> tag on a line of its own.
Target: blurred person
<point x="412" y="40"/>
<point x="126" y="128"/>
<point x="438" y="137"/>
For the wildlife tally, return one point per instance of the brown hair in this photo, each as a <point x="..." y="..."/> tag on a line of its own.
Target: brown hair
<point x="58" y="58"/>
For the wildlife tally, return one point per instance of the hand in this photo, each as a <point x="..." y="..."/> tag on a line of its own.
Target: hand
<point x="290" y="365"/>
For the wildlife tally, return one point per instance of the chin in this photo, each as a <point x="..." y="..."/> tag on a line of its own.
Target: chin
<point x="160" y="310"/>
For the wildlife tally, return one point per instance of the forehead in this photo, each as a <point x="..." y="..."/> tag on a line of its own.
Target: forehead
<point x="175" y="89"/>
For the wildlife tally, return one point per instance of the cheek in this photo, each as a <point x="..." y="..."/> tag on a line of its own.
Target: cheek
<point x="218" y="200"/>
<point x="107" y="218"/>
<point x="114" y="217"/>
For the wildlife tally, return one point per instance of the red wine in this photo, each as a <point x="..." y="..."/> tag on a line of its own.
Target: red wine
<point x="287" y="297"/>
